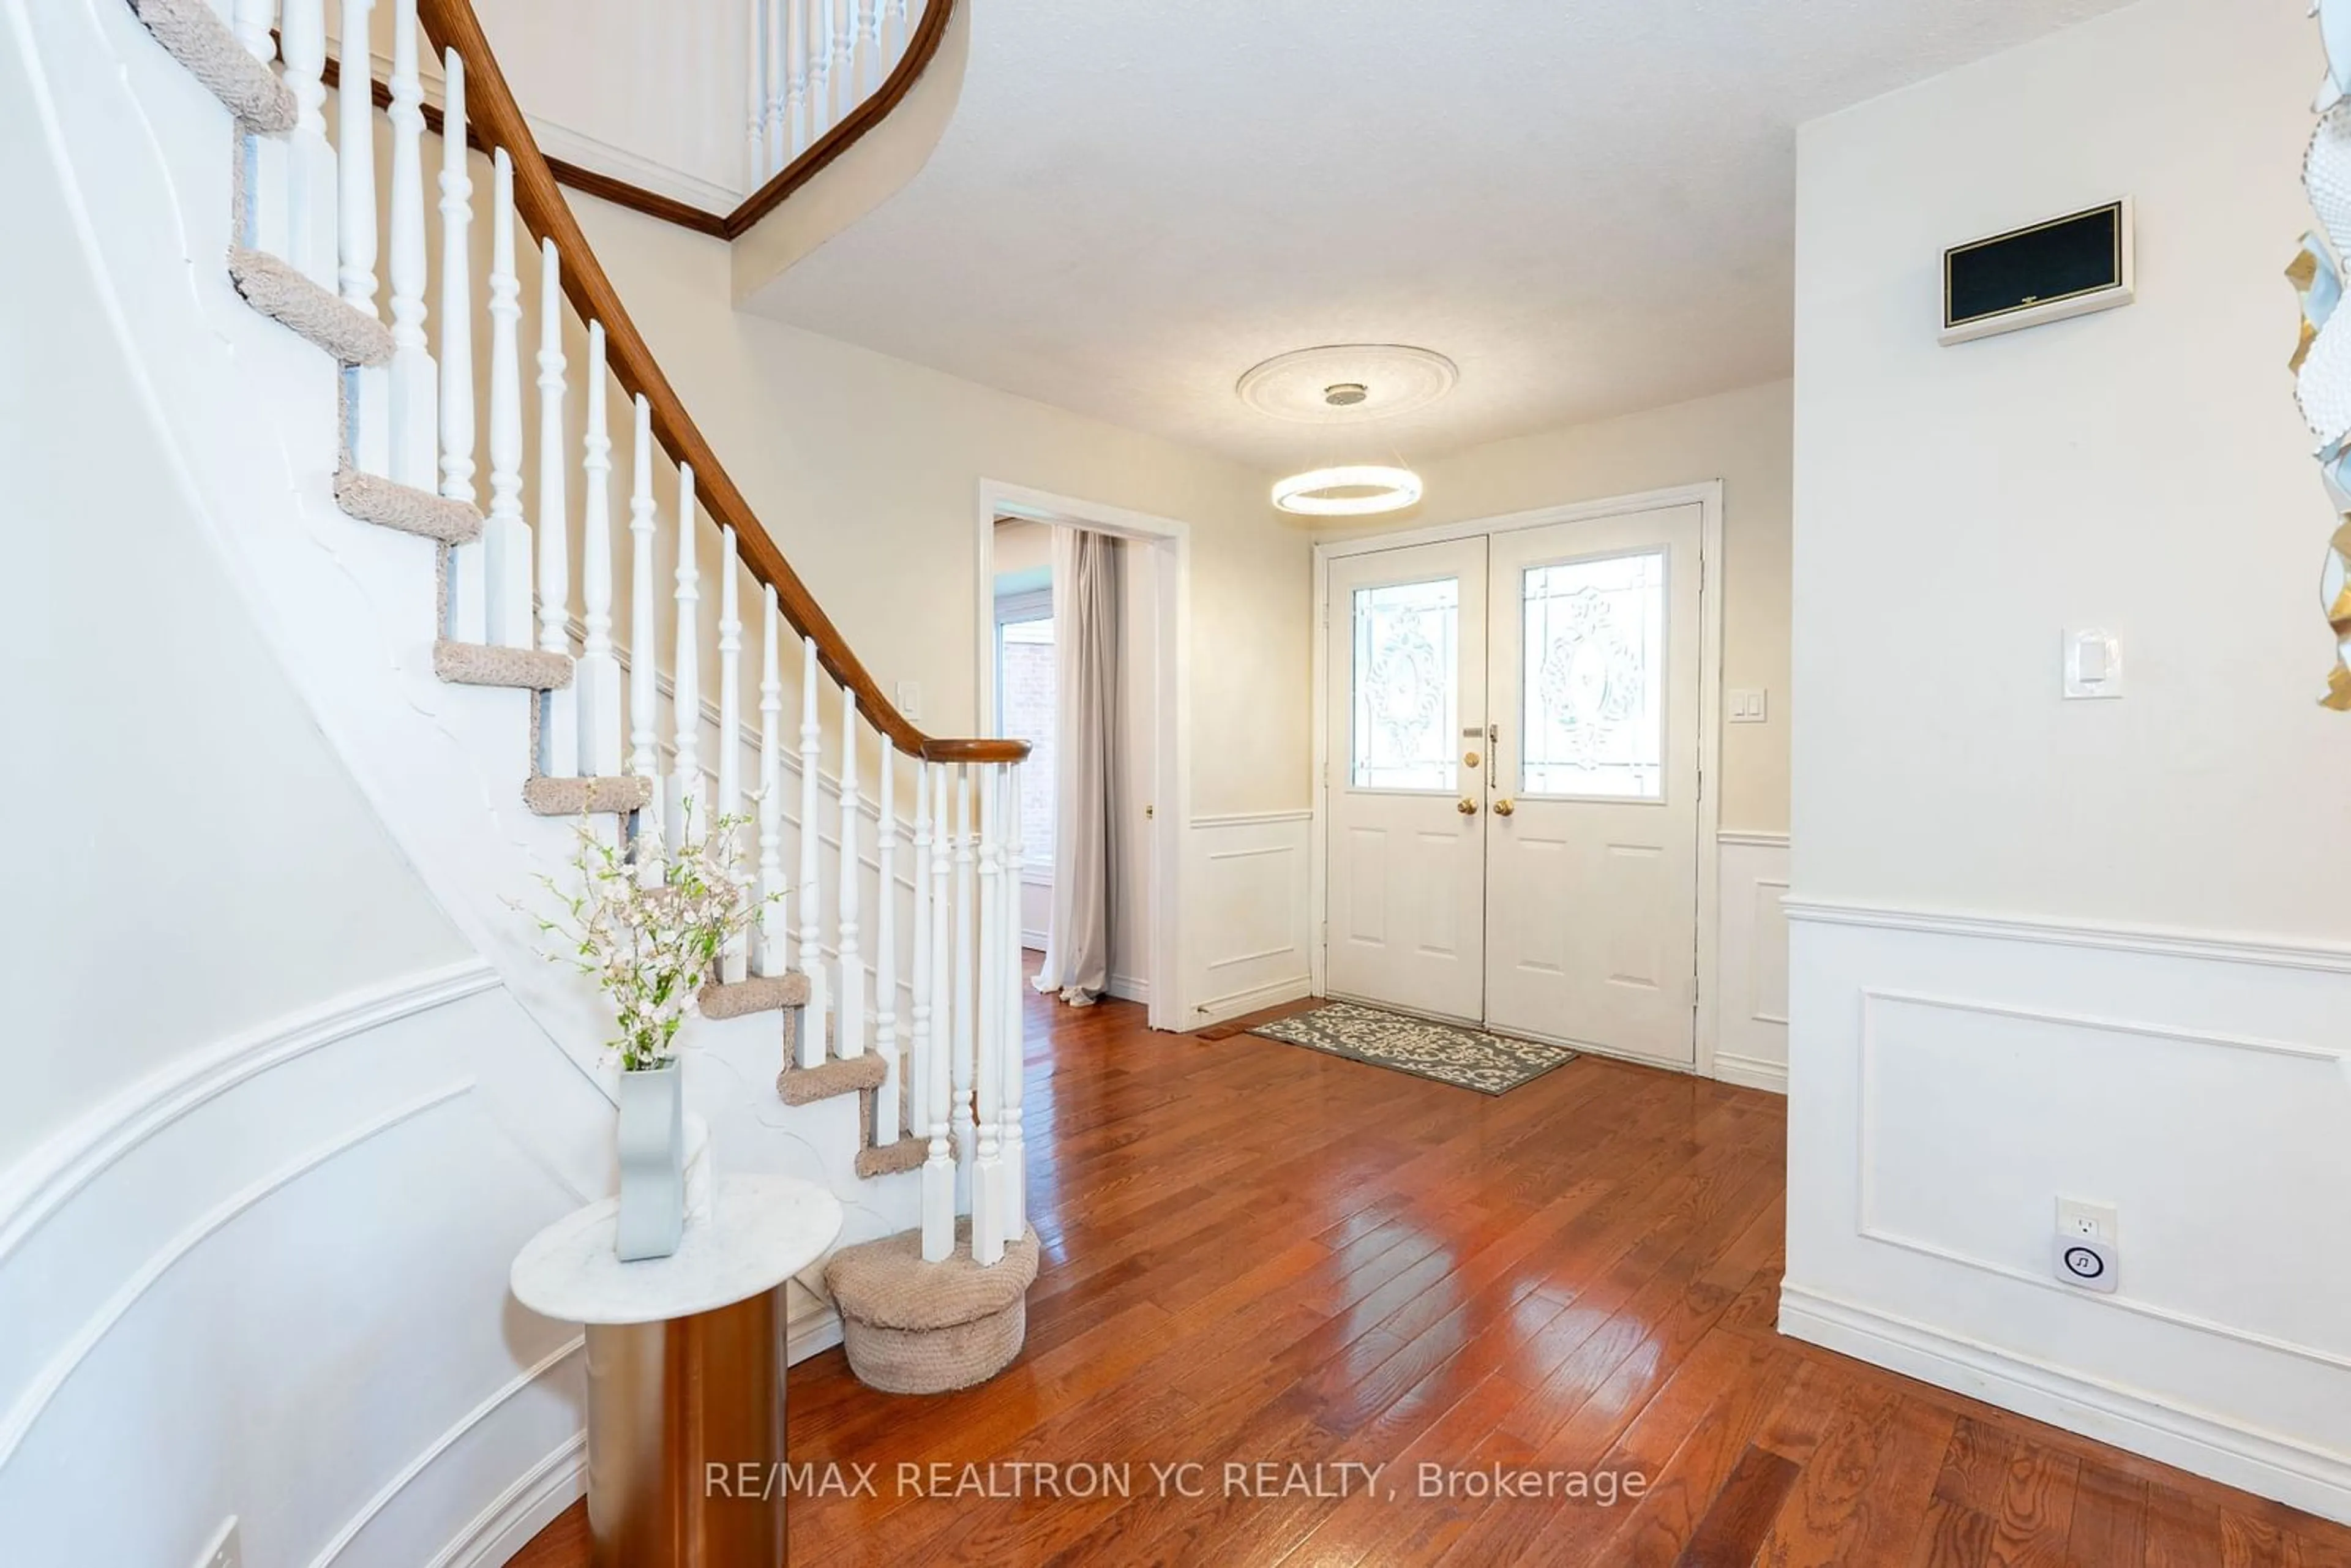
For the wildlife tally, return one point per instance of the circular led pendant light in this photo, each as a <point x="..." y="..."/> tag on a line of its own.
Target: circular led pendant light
<point x="1348" y="383"/>
<point x="1359" y="490"/>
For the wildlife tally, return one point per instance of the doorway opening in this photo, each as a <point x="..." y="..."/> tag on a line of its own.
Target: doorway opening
<point x="1081" y="630"/>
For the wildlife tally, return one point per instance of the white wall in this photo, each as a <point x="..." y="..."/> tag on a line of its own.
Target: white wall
<point x="2088" y="949"/>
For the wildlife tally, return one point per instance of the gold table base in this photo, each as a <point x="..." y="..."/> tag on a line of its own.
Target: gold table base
<point x="686" y="1439"/>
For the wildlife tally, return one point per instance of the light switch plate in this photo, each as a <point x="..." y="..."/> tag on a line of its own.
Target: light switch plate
<point x="1748" y="706"/>
<point x="910" y="700"/>
<point x="2093" y="663"/>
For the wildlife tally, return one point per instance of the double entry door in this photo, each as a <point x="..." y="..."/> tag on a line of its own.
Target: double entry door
<point x="1512" y="792"/>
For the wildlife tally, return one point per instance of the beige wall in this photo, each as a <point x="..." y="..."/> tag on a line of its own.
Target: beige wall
<point x="1743" y="438"/>
<point x="867" y="469"/>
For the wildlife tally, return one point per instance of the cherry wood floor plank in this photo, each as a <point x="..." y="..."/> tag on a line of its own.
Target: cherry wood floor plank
<point x="2109" y="1519"/>
<point x="1256" y="1253"/>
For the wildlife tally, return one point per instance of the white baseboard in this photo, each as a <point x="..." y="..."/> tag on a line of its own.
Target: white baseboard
<point x="1751" y="1071"/>
<point x="811" y="1333"/>
<point x="1127" y="988"/>
<point x="2246" y="1457"/>
<point x="524" y="1509"/>
<point x="1297" y="988"/>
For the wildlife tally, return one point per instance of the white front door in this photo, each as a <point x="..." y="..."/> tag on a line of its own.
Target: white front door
<point x="1406" y="887"/>
<point x="1591" y="847"/>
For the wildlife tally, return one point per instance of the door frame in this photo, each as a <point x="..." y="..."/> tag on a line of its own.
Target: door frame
<point x="1707" y="496"/>
<point x="1170" y="542"/>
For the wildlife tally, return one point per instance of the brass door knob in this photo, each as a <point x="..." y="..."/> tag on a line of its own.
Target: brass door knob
<point x="1467" y="808"/>
<point x="1472" y="759"/>
<point x="1504" y="807"/>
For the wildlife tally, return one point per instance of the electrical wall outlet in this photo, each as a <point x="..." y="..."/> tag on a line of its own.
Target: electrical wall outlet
<point x="226" y="1550"/>
<point x="2099" y="1221"/>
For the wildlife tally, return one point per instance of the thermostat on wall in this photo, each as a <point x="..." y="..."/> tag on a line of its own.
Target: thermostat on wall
<point x="2045" y="272"/>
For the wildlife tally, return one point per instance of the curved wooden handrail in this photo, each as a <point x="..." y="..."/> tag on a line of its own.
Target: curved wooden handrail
<point x="494" y="114"/>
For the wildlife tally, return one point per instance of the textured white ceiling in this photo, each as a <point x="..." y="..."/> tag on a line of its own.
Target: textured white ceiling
<point x="1587" y="204"/>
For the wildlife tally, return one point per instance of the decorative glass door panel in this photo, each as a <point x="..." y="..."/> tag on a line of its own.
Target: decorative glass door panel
<point x="1406" y="896"/>
<point x="1407" y="685"/>
<point x="1593" y="714"/>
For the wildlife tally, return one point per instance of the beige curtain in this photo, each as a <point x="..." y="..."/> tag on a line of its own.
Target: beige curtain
<point x="1085" y="653"/>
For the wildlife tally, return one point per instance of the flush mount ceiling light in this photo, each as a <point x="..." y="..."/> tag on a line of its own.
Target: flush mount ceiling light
<point x="1358" y="490"/>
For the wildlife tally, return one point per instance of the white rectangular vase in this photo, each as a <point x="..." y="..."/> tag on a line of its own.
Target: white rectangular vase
<point x="651" y="1139"/>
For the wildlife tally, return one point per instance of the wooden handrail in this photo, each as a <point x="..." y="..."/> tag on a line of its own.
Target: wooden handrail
<point x="493" y="112"/>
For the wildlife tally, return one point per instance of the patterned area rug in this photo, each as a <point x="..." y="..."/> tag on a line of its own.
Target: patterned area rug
<point x="1465" y="1058"/>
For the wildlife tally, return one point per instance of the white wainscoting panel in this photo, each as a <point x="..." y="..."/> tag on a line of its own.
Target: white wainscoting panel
<point x="1952" y="1078"/>
<point x="1250" y="925"/>
<point x="1751" y="956"/>
<point x="303" y="1236"/>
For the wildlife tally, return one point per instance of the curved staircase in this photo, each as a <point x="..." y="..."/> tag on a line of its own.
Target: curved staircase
<point x="464" y="659"/>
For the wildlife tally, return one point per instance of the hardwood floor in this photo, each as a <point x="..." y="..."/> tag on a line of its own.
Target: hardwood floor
<point x="1260" y="1256"/>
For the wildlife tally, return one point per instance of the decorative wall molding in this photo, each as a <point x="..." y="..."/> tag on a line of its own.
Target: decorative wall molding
<point x="1868" y="1224"/>
<point x="2263" y="1462"/>
<point x="60" y="1366"/>
<point x="1751" y="978"/>
<point x="1252" y="924"/>
<point x="522" y="1511"/>
<point x="2152" y="941"/>
<point x="442" y="1444"/>
<point x="47" y="1178"/>
<point x="1252" y="819"/>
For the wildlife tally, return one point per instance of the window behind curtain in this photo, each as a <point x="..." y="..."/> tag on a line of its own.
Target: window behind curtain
<point x="1026" y="700"/>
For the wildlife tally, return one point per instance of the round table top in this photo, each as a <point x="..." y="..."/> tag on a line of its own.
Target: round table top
<point x="763" y="1230"/>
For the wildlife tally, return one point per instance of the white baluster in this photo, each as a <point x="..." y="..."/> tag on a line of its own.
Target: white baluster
<point x="987" y="1053"/>
<point x="967" y="1020"/>
<point x="685" y="674"/>
<point x="773" y="957"/>
<point x="1015" y="1056"/>
<point x="935" y="1089"/>
<point x="902" y="33"/>
<point x="819" y="68"/>
<point x="755" y="118"/>
<point x="644" y="694"/>
<point x="849" y="1038"/>
<point x="734" y="964"/>
<point x="841" y="17"/>
<point x="507" y="536"/>
<point x="811" y="1042"/>
<point x="265" y="188"/>
<point x="885" y="957"/>
<point x="251" y="21"/>
<point x="309" y="158"/>
<point x="869" y="49"/>
<point x="559" y="720"/>
<point x="796" y="87"/>
<point x="414" y="460"/>
<point x="778" y="112"/>
<point x="468" y="601"/>
<point x="596" y="677"/>
<point x="368" y="433"/>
